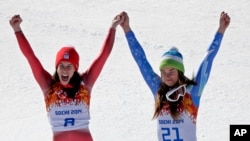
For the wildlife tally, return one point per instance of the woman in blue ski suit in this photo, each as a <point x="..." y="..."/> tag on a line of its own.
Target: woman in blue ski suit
<point x="176" y="96"/>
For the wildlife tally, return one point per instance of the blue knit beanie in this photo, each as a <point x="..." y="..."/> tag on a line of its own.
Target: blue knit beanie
<point x="172" y="58"/>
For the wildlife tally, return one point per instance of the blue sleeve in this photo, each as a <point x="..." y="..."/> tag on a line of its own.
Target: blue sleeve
<point x="151" y="78"/>
<point x="203" y="73"/>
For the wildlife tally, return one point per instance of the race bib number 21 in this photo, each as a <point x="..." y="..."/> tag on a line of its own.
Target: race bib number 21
<point x="167" y="132"/>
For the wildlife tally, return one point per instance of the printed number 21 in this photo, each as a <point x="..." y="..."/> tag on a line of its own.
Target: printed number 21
<point x="165" y="135"/>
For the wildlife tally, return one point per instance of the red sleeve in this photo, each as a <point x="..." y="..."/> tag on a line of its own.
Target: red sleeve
<point x="91" y="74"/>
<point x="42" y="77"/>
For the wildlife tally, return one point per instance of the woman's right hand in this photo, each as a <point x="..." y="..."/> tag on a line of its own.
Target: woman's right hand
<point x="125" y="25"/>
<point x="15" y="22"/>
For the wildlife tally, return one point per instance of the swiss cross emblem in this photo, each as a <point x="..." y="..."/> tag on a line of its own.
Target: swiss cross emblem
<point x="66" y="55"/>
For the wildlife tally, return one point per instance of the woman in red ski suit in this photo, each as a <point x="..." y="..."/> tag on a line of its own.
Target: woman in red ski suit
<point x="67" y="92"/>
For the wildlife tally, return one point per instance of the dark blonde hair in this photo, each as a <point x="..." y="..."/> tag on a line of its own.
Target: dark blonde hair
<point x="162" y="101"/>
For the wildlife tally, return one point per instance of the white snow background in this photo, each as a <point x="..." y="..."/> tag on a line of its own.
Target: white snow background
<point x="122" y="104"/>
